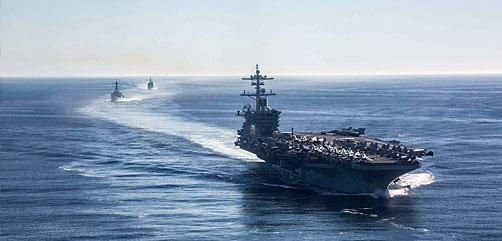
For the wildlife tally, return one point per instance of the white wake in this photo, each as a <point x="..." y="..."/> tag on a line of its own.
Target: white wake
<point x="410" y="181"/>
<point x="134" y="113"/>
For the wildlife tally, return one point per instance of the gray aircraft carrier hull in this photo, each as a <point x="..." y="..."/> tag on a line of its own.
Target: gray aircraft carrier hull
<point x="340" y="179"/>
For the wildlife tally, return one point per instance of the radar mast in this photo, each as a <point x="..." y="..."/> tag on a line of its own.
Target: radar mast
<point x="260" y="96"/>
<point x="116" y="85"/>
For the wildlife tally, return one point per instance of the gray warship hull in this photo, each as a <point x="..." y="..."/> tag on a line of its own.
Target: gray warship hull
<point x="339" y="179"/>
<point x="116" y="97"/>
<point x="348" y="177"/>
<point x="150" y="84"/>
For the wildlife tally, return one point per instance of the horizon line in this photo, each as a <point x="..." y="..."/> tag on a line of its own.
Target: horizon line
<point x="233" y="75"/>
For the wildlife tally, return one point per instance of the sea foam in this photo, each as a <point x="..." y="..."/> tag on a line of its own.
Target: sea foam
<point x="138" y="115"/>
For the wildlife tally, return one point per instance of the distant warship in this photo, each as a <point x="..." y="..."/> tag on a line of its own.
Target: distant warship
<point x="150" y="84"/>
<point x="340" y="160"/>
<point x="116" y="95"/>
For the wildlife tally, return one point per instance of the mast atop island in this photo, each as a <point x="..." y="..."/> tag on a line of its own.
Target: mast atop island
<point x="264" y="119"/>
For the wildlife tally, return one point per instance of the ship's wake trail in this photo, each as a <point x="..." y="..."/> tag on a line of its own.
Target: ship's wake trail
<point x="136" y="113"/>
<point x="140" y="93"/>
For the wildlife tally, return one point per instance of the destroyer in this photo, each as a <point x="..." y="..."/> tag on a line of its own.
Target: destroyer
<point x="116" y="95"/>
<point x="340" y="160"/>
<point x="150" y="84"/>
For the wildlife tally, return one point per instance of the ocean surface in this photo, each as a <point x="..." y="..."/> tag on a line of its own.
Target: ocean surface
<point x="161" y="164"/>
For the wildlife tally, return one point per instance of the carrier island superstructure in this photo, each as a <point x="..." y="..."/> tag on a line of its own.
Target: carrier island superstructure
<point x="343" y="160"/>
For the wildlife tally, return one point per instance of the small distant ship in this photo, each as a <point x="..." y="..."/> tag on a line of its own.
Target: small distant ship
<point x="339" y="160"/>
<point x="116" y="95"/>
<point x="150" y="84"/>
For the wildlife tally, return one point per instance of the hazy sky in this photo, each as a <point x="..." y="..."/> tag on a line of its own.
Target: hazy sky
<point x="183" y="37"/>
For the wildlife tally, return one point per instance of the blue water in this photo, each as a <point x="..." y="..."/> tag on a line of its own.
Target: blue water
<point x="161" y="165"/>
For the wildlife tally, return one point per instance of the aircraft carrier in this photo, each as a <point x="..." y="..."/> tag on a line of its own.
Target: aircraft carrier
<point x="343" y="160"/>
